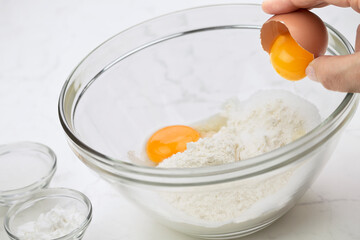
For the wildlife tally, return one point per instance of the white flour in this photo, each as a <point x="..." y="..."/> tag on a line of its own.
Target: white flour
<point x="218" y="149"/>
<point x="268" y="120"/>
<point x="53" y="224"/>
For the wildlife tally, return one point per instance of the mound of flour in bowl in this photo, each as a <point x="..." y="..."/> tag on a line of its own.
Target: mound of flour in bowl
<point x="266" y="121"/>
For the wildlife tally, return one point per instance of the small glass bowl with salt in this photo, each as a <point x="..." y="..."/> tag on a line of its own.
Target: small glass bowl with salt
<point x="25" y="168"/>
<point x="54" y="213"/>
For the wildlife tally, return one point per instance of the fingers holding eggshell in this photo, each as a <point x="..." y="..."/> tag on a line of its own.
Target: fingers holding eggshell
<point x="306" y="28"/>
<point x="303" y="37"/>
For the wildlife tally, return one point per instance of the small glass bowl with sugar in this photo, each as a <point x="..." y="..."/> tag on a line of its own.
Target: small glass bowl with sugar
<point x="25" y="168"/>
<point x="54" y="213"/>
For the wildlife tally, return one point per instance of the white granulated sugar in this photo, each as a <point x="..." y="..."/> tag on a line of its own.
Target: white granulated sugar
<point x="266" y="121"/>
<point x="52" y="224"/>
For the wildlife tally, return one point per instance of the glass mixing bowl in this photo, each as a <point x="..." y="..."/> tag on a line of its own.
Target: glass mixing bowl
<point x="178" y="69"/>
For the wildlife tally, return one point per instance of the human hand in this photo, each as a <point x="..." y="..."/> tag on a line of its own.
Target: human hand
<point x="338" y="73"/>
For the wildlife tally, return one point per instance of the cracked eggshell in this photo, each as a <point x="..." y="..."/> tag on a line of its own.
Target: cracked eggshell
<point x="306" y="28"/>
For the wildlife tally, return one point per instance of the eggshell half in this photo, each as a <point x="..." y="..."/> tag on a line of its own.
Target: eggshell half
<point x="306" y="28"/>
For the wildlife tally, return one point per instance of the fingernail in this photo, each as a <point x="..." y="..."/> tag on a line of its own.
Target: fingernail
<point x="310" y="72"/>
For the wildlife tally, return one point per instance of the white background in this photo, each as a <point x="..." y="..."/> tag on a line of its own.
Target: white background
<point x="42" y="41"/>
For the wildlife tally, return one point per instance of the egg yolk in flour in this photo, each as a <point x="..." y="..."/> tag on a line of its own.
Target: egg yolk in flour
<point x="288" y="58"/>
<point x="170" y="140"/>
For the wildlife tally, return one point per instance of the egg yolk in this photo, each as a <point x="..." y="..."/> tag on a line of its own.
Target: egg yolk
<point x="170" y="140"/>
<point x="288" y="58"/>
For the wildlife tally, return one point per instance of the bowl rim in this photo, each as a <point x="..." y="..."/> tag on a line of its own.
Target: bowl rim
<point x="49" y="194"/>
<point x="18" y="193"/>
<point x="347" y="106"/>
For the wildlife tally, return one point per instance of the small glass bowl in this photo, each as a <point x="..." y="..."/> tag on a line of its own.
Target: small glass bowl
<point x="42" y="202"/>
<point x="25" y="168"/>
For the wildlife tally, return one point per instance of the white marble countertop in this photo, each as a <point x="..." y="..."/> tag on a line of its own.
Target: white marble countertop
<point x="42" y="41"/>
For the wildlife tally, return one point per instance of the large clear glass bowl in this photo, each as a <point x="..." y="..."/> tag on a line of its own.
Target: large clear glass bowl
<point x="178" y="69"/>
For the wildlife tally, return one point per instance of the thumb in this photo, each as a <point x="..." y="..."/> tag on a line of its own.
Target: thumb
<point x="338" y="73"/>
